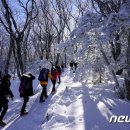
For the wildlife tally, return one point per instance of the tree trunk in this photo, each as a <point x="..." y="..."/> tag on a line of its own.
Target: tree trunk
<point x="127" y="77"/>
<point x="65" y="59"/>
<point x="116" y="51"/>
<point x="117" y="88"/>
<point x="48" y="43"/>
<point x="112" y="71"/>
<point x="116" y="48"/>
<point x="8" y="58"/>
<point x="57" y="59"/>
<point x="16" y="58"/>
<point x="25" y="55"/>
<point x="19" y="55"/>
<point x="25" y="46"/>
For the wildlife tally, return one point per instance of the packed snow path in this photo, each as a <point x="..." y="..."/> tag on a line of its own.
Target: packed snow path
<point x="74" y="107"/>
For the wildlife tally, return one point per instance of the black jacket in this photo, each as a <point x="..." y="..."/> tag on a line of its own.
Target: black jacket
<point x="71" y="64"/>
<point x="28" y="84"/>
<point x="5" y="91"/>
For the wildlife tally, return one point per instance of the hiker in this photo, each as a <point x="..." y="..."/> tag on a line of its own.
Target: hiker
<point x="58" y="68"/>
<point x="54" y="74"/>
<point x="75" y="66"/>
<point x="71" y="65"/>
<point x="43" y="78"/>
<point x="5" y="94"/>
<point x="26" y="90"/>
<point x="62" y="66"/>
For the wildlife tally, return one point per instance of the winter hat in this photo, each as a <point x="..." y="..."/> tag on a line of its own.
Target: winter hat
<point x="29" y="73"/>
<point x="26" y="76"/>
<point x="8" y="75"/>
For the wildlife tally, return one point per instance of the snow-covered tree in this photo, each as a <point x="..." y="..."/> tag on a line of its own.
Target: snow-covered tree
<point x="101" y="41"/>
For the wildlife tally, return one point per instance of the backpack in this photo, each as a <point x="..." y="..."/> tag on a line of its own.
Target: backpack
<point x="43" y="76"/>
<point x="22" y="88"/>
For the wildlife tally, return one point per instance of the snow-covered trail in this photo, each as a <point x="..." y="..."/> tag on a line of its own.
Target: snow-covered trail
<point x="75" y="106"/>
<point x="61" y="109"/>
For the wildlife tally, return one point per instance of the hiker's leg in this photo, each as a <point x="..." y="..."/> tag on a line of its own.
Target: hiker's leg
<point x="5" y="108"/>
<point x="59" y="79"/>
<point x="44" y="92"/>
<point x="26" y="99"/>
<point x="54" y="83"/>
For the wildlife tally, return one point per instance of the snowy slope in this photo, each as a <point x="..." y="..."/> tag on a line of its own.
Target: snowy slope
<point x="75" y="106"/>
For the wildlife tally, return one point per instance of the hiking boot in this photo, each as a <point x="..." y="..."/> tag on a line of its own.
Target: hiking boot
<point x="46" y="96"/>
<point x="23" y="113"/>
<point x="58" y="82"/>
<point x="53" y="91"/>
<point x="42" y="101"/>
<point x="2" y="123"/>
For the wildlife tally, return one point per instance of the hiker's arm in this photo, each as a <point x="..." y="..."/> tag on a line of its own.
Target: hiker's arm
<point x="10" y="92"/>
<point x="32" y="77"/>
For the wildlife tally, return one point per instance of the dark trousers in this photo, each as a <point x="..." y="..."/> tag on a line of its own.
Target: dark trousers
<point x="71" y="67"/>
<point x="3" y="109"/>
<point x="75" y="68"/>
<point x="26" y="99"/>
<point x="63" y="69"/>
<point x="44" y="92"/>
<point x="54" y="83"/>
<point x="59" y="79"/>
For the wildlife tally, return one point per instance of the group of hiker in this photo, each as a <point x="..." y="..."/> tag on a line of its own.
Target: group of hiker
<point x="26" y="88"/>
<point x="54" y="74"/>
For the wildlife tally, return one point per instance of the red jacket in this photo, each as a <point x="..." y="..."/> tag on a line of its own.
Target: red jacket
<point x="54" y="74"/>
